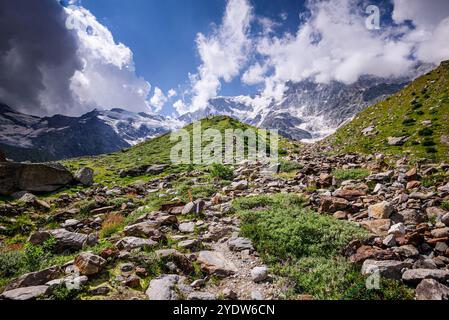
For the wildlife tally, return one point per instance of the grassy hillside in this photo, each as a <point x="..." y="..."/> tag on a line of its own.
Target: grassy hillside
<point x="155" y="151"/>
<point x="420" y="112"/>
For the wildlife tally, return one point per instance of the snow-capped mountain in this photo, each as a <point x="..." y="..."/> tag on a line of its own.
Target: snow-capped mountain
<point x="24" y="137"/>
<point x="308" y="111"/>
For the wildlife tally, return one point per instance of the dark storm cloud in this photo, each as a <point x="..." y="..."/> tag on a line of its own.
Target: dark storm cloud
<point x="37" y="56"/>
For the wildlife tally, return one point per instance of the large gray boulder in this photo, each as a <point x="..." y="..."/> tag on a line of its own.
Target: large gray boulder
<point x="34" y="278"/>
<point x="35" y="177"/>
<point x="85" y="176"/>
<point x="27" y="293"/>
<point x="65" y="240"/>
<point x="163" y="288"/>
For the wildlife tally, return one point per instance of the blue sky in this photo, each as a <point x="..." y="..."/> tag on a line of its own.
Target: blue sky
<point x="161" y="34"/>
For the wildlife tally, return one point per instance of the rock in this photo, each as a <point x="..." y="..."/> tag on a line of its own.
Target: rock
<point x="129" y="243"/>
<point x="89" y="263"/>
<point x="440" y="232"/>
<point x="188" y="244"/>
<point x="163" y="288"/>
<point x="429" y="289"/>
<point x="389" y="241"/>
<point x="32" y="177"/>
<point x="411" y="217"/>
<point x="435" y="213"/>
<point x="397" y="230"/>
<point x="85" y="176"/>
<point x="340" y="215"/>
<point x="27" y="293"/>
<point x="407" y="251"/>
<point x="146" y="229"/>
<point x="70" y="223"/>
<point x="215" y="263"/>
<point x="201" y="296"/>
<point x="381" y="177"/>
<point x="390" y="269"/>
<point x="445" y="219"/>
<point x="412" y="174"/>
<point x="240" y="244"/>
<point x="415" y="276"/>
<point x="239" y="185"/>
<point x="229" y="294"/>
<point x="259" y="274"/>
<point x="367" y="252"/>
<point x="441" y="247"/>
<point x="193" y="207"/>
<point x="157" y="169"/>
<point x="378" y="227"/>
<point x="187" y="227"/>
<point x="444" y="188"/>
<point x="25" y="197"/>
<point x="349" y="194"/>
<point x="65" y="240"/>
<point x="34" y="278"/>
<point x="256" y="295"/>
<point x="179" y="259"/>
<point x="333" y="204"/>
<point x="369" y="131"/>
<point x="102" y="290"/>
<point x="382" y="210"/>
<point x="397" y="141"/>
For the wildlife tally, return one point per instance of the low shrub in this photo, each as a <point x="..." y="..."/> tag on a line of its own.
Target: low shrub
<point x="221" y="171"/>
<point x="111" y="225"/>
<point x="351" y="174"/>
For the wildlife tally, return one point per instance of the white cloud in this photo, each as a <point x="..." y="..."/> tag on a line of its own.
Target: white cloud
<point x="107" y="79"/>
<point x="223" y="53"/>
<point x="158" y="100"/>
<point x="180" y="107"/>
<point x="255" y="74"/>
<point x="172" y="93"/>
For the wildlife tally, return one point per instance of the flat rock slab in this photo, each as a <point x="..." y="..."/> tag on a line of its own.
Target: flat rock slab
<point x="129" y="243"/>
<point x="415" y="276"/>
<point x="163" y="288"/>
<point x="216" y="263"/>
<point x="27" y="293"/>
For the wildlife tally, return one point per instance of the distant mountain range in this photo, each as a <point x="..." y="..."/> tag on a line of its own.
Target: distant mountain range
<point x="30" y="138"/>
<point x="308" y="111"/>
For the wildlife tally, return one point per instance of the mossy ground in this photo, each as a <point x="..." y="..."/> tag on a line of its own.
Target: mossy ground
<point x="306" y="248"/>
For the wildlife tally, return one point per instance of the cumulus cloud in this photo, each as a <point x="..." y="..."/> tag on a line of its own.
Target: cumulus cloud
<point x="223" y="53"/>
<point x="180" y="107"/>
<point x="57" y="59"/>
<point x="158" y="100"/>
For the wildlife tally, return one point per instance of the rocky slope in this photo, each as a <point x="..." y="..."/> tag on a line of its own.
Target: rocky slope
<point x="29" y="138"/>
<point x="413" y="122"/>
<point x="179" y="232"/>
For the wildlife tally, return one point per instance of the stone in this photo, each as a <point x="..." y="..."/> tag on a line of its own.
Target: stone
<point x="146" y="229"/>
<point x="333" y="204"/>
<point x="381" y="177"/>
<point x="397" y="141"/>
<point x="34" y="278"/>
<point x="85" y="176"/>
<point x="412" y="174"/>
<point x="340" y="215"/>
<point x="390" y="269"/>
<point x="156" y="169"/>
<point x="411" y="217"/>
<point x="430" y="289"/>
<point x="33" y="177"/>
<point x="240" y="244"/>
<point x="445" y="219"/>
<point x="440" y="232"/>
<point x="390" y="241"/>
<point x="163" y="288"/>
<point x="186" y="227"/>
<point x="89" y="263"/>
<point x="382" y="210"/>
<point x="407" y="251"/>
<point x="378" y="227"/>
<point x="27" y="293"/>
<point x="189" y="244"/>
<point x="397" y="230"/>
<point x="201" y="296"/>
<point x="65" y="240"/>
<point x="415" y="276"/>
<point x="193" y="207"/>
<point x="349" y="194"/>
<point x="239" y="185"/>
<point x="129" y="243"/>
<point x="179" y="259"/>
<point x="256" y="295"/>
<point x="441" y="247"/>
<point x="435" y="213"/>
<point x="229" y="294"/>
<point x="70" y="223"/>
<point x="259" y="274"/>
<point x="215" y="263"/>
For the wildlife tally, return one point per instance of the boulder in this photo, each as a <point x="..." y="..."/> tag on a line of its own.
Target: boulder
<point x="440" y="232"/>
<point x="186" y="227"/>
<point x="193" y="207"/>
<point x="27" y="293"/>
<point x="129" y="243"/>
<point x="239" y="185"/>
<point x="89" y="263"/>
<point x="65" y="240"/>
<point x="259" y="274"/>
<point x="397" y="141"/>
<point x="201" y="296"/>
<point x="333" y="204"/>
<point x="382" y="210"/>
<point x="349" y="194"/>
<point x="34" y="278"/>
<point x="32" y="177"/>
<point x="240" y="244"/>
<point x="163" y="288"/>
<point x="415" y="276"/>
<point x="378" y="227"/>
<point x="146" y="229"/>
<point x="85" y="176"/>
<point x="430" y="289"/>
<point x="215" y="263"/>
<point x="179" y="259"/>
<point x="390" y="269"/>
<point x="156" y="169"/>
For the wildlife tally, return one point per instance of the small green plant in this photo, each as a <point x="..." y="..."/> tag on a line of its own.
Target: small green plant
<point x="426" y="132"/>
<point x="445" y="205"/>
<point x="111" y="225"/>
<point x="11" y="262"/>
<point x="289" y="166"/>
<point x="351" y="174"/>
<point x="221" y="171"/>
